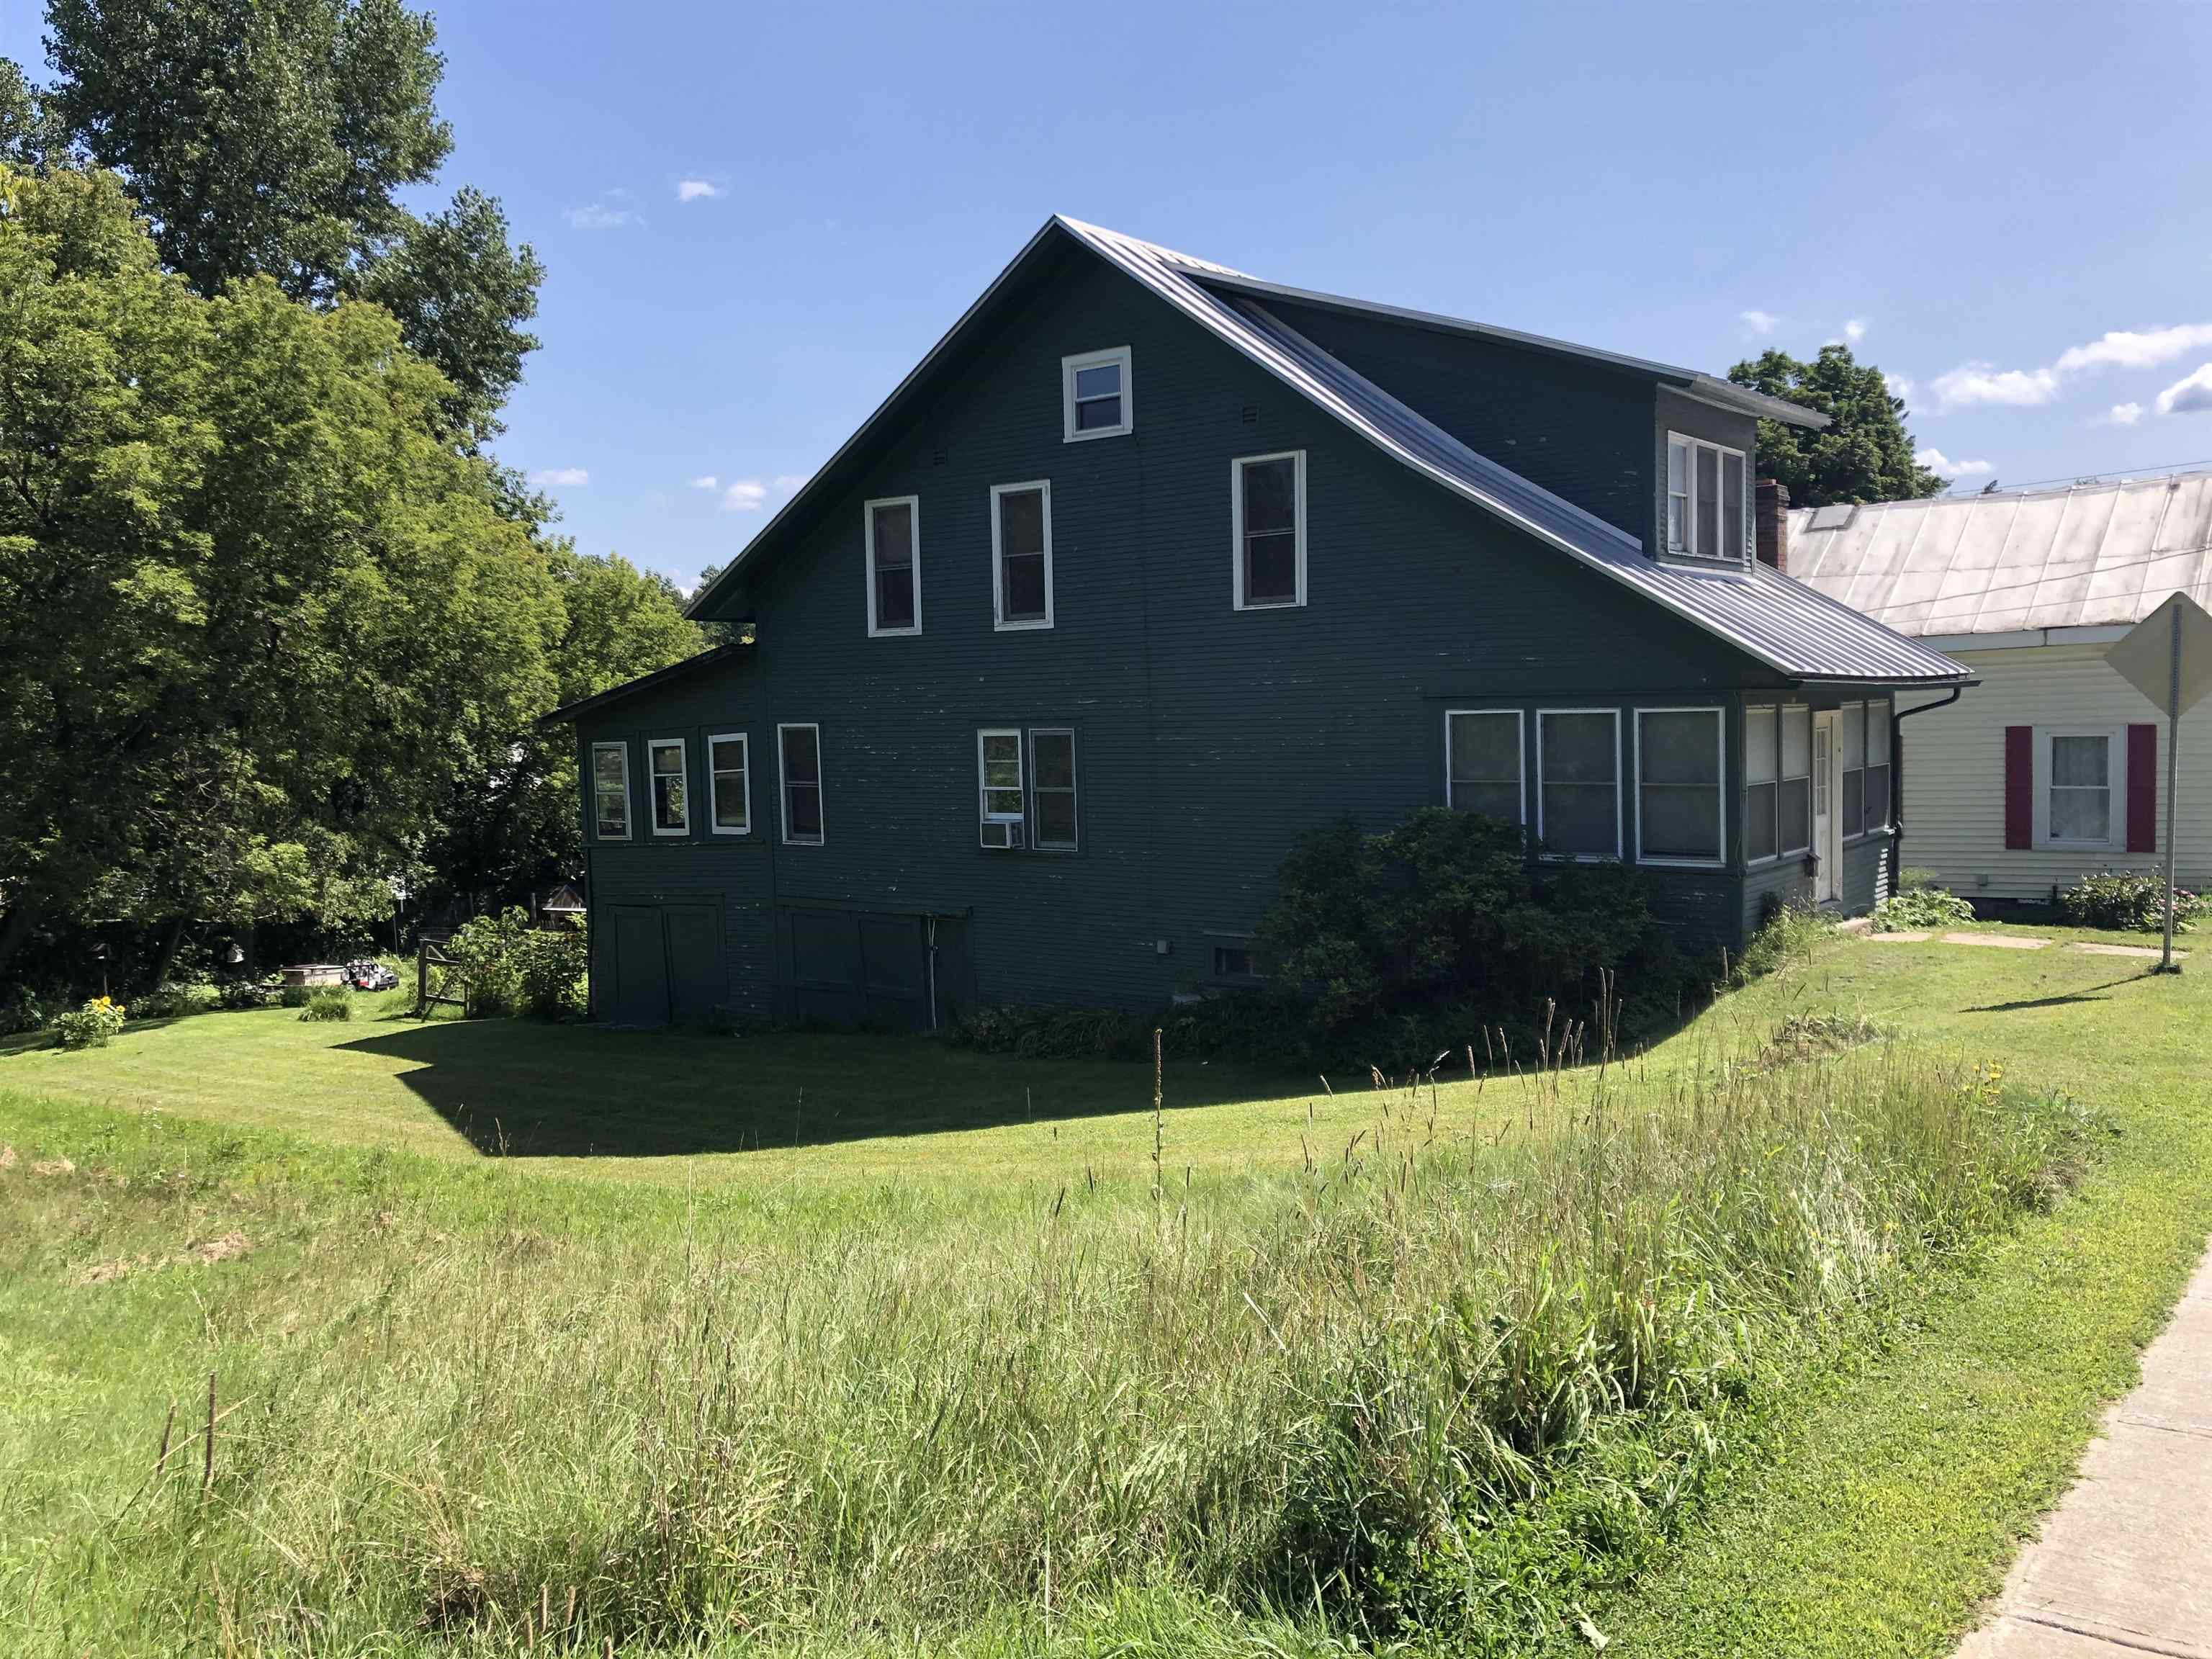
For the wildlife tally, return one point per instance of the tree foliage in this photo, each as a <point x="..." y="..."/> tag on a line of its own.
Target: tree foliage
<point x="1865" y="455"/>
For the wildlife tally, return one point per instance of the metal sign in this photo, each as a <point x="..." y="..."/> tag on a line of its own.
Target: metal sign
<point x="2167" y="656"/>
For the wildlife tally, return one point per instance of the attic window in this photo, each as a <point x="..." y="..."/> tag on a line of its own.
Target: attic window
<point x="1094" y="395"/>
<point x="1708" y="501"/>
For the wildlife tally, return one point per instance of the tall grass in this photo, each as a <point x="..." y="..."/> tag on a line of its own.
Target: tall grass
<point x="1443" y="1378"/>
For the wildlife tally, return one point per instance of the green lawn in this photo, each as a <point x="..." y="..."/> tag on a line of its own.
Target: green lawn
<point x="1868" y="1519"/>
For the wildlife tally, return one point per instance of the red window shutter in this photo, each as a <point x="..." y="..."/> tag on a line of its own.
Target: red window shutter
<point x="2020" y="786"/>
<point x="2142" y="788"/>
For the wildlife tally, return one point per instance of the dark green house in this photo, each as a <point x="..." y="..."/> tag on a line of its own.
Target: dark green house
<point x="1150" y="567"/>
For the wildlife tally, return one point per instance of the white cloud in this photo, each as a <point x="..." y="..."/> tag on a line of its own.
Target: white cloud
<point x="559" y="477"/>
<point x="708" y="481"/>
<point x="1760" y="322"/>
<point x="788" y="482"/>
<point x="2126" y="348"/>
<point x="598" y="216"/>
<point x="1898" y="385"/>
<point x="2189" y="396"/>
<point x="746" y="495"/>
<point x="1981" y="383"/>
<point x="695" y="190"/>
<point x="2123" y="414"/>
<point x="1855" y="330"/>
<point x="1936" y="461"/>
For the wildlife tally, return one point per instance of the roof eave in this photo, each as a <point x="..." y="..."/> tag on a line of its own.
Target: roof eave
<point x="569" y="711"/>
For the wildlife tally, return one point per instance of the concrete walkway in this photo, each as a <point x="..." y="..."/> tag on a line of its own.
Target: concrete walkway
<point x="2124" y="1565"/>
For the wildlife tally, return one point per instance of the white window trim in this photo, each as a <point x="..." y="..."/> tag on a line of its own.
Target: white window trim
<point x="783" y="786"/>
<point x="983" y="812"/>
<point x="2116" y="788"/>
<point x="622" y="749"/>
<point x="1068" y="366"/>
<point x="1237" y="528"/>
<point x="1619" y="827"/>
<point x="912" y="506"/>
<point x="713" y="812"/>
<point x="653" y="747"/>
<point x="1784" y="775"/>
<point x="1742" y="556"/>
<point x="1520" y="752"/>
<point x="1720" y="786"/>
<point x="998" y="623"/>
<point x="1074" y="790"/>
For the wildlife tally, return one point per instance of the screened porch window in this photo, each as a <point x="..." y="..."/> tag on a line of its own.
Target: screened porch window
<point x="1678" y="817"/>
<point x="1579" y="782"/>
<point x="1762" y="785"/>
<point x="1796" y="801"/>
<point x="1482" y="763"/>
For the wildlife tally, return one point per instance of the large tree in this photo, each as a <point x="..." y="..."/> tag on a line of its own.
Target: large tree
<point x="1865" y="455"/>
<point x="271" y="136"/>
<point x="256" y="611"/>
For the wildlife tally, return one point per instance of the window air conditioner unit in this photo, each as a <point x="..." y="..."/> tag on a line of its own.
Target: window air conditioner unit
<point x="1002" y="836"/>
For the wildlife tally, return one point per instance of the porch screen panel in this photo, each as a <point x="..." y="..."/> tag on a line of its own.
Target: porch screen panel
<point x="1679" y="784"/>
<point x="1580" y="784"/>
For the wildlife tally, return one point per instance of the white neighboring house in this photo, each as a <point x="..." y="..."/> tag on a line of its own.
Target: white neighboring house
<point x="2052" y="767"/>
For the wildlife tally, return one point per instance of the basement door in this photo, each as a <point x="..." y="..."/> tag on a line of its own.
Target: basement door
<point x="669" y="964"/>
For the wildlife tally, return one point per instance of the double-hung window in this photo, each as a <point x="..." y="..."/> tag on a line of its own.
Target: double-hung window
<point x="1021" y="554"/>
<point x="1762" y="783"/>
<point x="1268" y="504"/>
<point x="799" y="753"/>
<point x="1025" y="793"/>
<point x="1850" y="738"/>
<point x="610" y="791"/>
<point x="1094" y="395"/>
<point x="1052" y="788"/>
<point x="671" y="798"/>
<point x="999" y="778"/>
<point x="2079" y="795"/>
<point x="1579" y="782"/>
<point x="1796" y="796"/>
<point x="730" y="785"/>
<point x="1482" y="763"/>
<point x="1708" y="503"/>
<point x="894" y="538"/>
<point x="1680" y="819"/>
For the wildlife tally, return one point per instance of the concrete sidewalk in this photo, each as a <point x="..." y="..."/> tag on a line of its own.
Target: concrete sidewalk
<point x="2124" y="1565"/>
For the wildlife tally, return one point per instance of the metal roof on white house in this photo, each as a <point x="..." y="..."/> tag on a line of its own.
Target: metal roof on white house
<point x="1955" y="566"/>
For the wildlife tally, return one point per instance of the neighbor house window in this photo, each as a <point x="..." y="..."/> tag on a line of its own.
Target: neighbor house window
<point x="1482" y="763"/>
<point x="800" y="754"/>
<point x="1267" y="501"/>
<point x="999" y="781"/>
<point x="1679" y="815"/>
<point x="1094" y="395"/>
<point x="1708" y="509"/>
<point x="1579" y="782"/>
<point x="1052" y="788"/>
<point x="1762" y="786"/>
<point x="671" y="799"/>
<point x="611" y="790"/>
<point x="894" y="536"/>
<point x="730" y="784"/>
<point x="2080" y="786"/>
<point x="1797" y="797"/>
<point x="1021" y="554"/>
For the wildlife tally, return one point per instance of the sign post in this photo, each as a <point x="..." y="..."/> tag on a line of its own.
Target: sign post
<point x="2167" y="656"/>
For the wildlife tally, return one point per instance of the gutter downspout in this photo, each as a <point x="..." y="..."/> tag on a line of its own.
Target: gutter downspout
<point x="1897" y="717"/>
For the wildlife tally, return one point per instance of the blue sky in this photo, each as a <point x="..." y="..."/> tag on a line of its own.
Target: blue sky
<point x="756" y="219"/>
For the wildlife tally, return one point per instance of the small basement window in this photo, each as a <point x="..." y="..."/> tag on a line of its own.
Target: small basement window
<point x="1094" y="395"/>
<point x="800" y="754"/>
<point x="1708" y="500"/>
<point x="1021" y="554"/>
<point x="1267" y="501"/>
<point x="671" y="799"/>
<point x="610" y="791"/>
<point x="730" y="784"/>
<point x="894" y="566"/>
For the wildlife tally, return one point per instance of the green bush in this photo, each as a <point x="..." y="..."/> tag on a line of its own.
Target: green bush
<point x="23" y="1010"/>
<point x="176" y="998"/>
<point x="550" y="965"/>
<point x="1911" y="880"/>
<point x="2125" y="902"/>
<point x="1056" y="1033"/>
<point x="241" y="993"/>
<point x="506" y="966"/>
<point x="92" y="1026"/>
<point x="295" y="996"/>
<point x="328" y="1005"/>
<point x="1917" y="908"/>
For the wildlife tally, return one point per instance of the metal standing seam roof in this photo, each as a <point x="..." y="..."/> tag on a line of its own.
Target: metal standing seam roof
<point x="1781" y="623"/>
<point x="2083" y="556"/>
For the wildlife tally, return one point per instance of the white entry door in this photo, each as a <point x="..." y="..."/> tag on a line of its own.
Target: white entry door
<point x="1830" y="867"/>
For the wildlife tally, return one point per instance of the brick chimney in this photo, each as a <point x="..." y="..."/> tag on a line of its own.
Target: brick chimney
<point x="1771" y="519"/>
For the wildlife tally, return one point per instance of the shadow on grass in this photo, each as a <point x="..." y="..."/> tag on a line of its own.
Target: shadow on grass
<point x="2089" y="993"/>
<point x="512" y="1088"/>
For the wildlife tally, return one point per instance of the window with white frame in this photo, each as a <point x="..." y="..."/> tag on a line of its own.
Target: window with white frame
<point x="1680" y="816"/>
<point x="1021" y="554"/>
<point x="610" y="791"/>
<point x="1796" y="795"/>
<point x="729" y="784"/>
<point x="894" y="538"/>
<point x="2080" y="786"/>
<point x="1094" y="395"/>
<point x="1004" y="802"/>
<point x="1052" y="788"/>
<point x="1482" y="763"/>
<point x="1579" y="782"/>
<point x="800" y="756"/>
<point x="1708" y="500"/>
<point x="1268" y="503"/>
<point x="671" y="798"/>
<point x="1762" y="783"/>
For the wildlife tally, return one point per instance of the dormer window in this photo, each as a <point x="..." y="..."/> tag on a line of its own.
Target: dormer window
<point x="1708" y="501"/>
<point x="1094" y="395"/>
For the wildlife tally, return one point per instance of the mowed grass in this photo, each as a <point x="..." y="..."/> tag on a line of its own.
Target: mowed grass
<point x="1863" y="1512"/>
